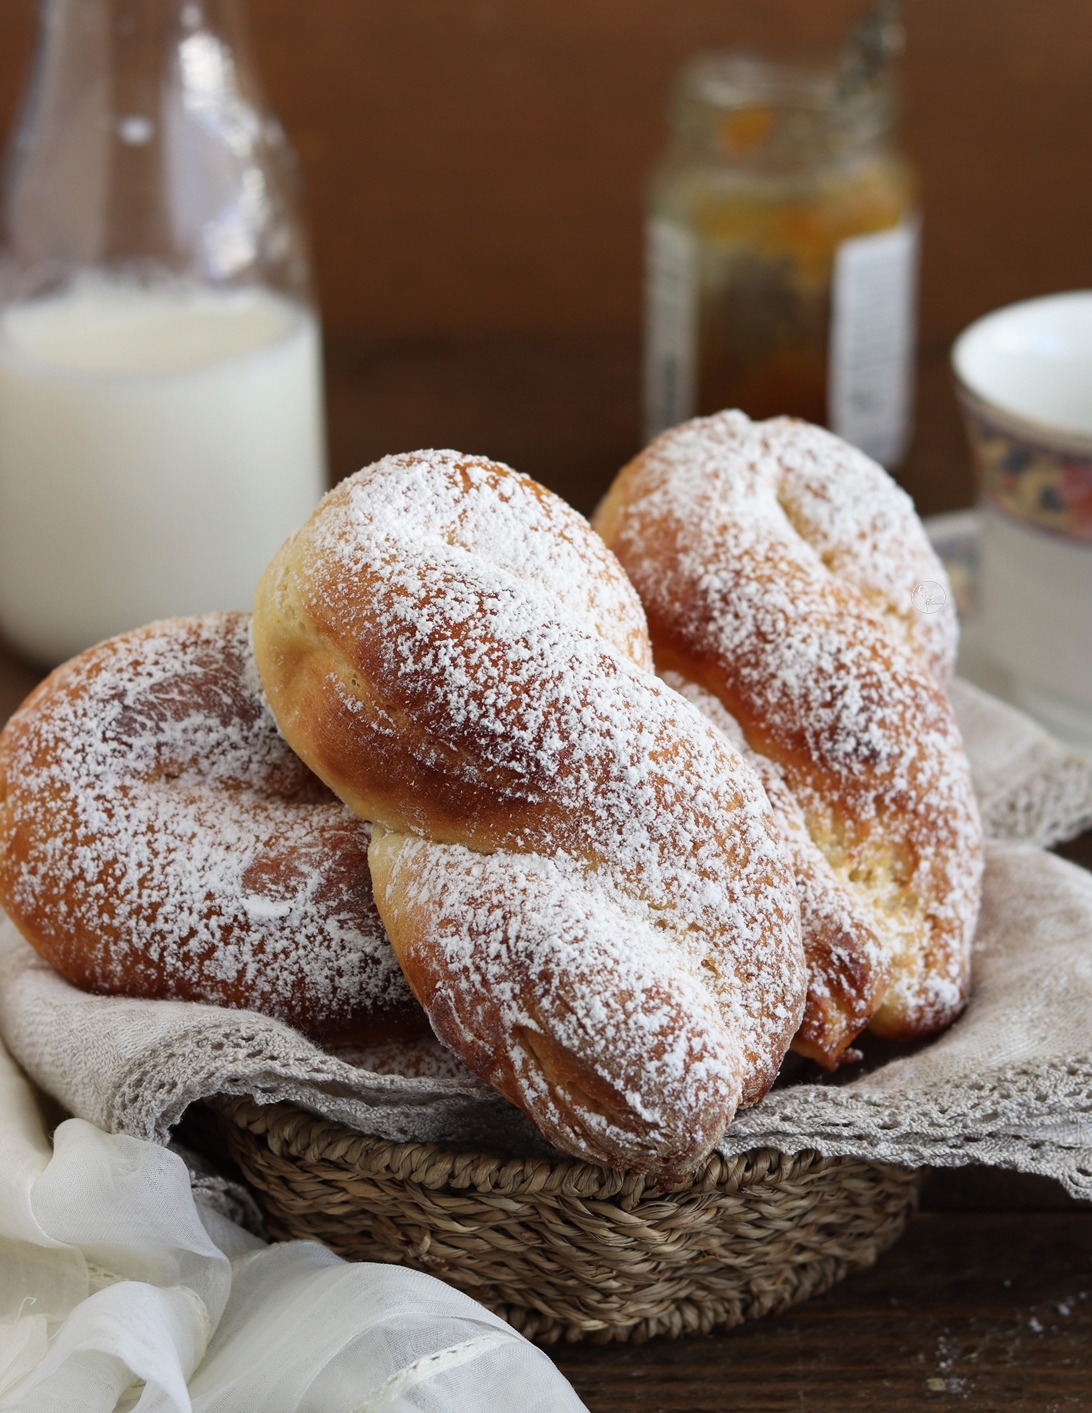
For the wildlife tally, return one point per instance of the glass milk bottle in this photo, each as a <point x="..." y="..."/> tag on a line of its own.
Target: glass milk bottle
<point x="160" y="386"/>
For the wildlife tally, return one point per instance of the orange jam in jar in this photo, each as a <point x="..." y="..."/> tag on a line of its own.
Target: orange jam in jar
<point x="782" y="253"/>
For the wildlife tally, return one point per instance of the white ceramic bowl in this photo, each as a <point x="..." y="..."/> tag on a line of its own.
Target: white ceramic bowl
<point x="1031" y="364"/>
<point x="1024" y="379"/>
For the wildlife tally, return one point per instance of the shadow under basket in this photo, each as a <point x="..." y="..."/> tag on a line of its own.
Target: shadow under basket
<point x="566" y="1250"/>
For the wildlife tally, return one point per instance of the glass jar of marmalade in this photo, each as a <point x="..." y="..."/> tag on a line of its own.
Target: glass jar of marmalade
<point x="781" y="253"/>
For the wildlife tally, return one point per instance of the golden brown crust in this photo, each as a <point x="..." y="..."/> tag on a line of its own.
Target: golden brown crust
<point x="159" y="839"/>
<point x="777" y="568"/>
<point x="849" y="968"/>
<point x="552" y="813"/>
<point x="574" y="1015"/>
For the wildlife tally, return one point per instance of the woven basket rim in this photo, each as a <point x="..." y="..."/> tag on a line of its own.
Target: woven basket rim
<point x="293" y="1131"/>
<point x="561" y="1248"/>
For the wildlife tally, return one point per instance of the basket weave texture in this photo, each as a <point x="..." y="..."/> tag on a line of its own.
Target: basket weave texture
<point x="566" y="1250"/>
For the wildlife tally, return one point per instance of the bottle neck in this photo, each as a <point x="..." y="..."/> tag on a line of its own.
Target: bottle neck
<point x="145" y="146"/>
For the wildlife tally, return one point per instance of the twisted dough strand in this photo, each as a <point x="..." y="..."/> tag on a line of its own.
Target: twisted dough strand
<point x="579" y="874"/>
<point x="776" y="565"/>
<point x="849" y="968"/>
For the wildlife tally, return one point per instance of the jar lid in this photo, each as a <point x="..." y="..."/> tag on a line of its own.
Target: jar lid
<point x="758" y="111"/>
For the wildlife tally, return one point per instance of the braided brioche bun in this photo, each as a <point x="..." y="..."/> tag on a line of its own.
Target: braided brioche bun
<point x="580" y="876"/>
<point x="777" y="567"/>
<point x="159" y="839"/>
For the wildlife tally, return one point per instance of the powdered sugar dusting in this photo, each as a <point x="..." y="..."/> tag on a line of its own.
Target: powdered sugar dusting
<point x="557" y="984"/>
<point x="163" y="839"/>
<point x="849" y="968"/>
<point x="487" y="639"/>
<point x="866" y="533"/>
<point x="781" y="589"/>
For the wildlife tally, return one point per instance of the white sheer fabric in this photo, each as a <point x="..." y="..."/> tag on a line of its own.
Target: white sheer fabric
<point x="119" y="1290"/>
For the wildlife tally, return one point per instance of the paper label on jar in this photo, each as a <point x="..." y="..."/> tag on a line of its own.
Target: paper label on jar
<point x="873" y="296"/>
<point x="671" y="321"/>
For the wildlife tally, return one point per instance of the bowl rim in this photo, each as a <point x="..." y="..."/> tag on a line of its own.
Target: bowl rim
<point x="1019" y="423"/>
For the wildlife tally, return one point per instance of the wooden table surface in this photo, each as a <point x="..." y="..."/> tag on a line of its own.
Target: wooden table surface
<point x="986" y="1302"/>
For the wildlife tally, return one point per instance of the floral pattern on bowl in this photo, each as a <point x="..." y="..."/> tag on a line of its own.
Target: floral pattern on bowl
<point x="1036" y="482"/>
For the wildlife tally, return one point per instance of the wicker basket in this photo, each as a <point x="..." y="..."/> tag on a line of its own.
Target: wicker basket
<point x="564" y="1249"/>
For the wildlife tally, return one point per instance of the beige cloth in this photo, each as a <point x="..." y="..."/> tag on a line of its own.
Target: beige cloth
<point x="1010" y="1084"/>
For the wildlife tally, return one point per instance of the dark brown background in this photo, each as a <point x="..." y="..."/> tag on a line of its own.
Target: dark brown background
<point x="474" y="172"/>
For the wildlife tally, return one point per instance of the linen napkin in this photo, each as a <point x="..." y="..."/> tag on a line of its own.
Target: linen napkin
<point x="1010" y="1084"/>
